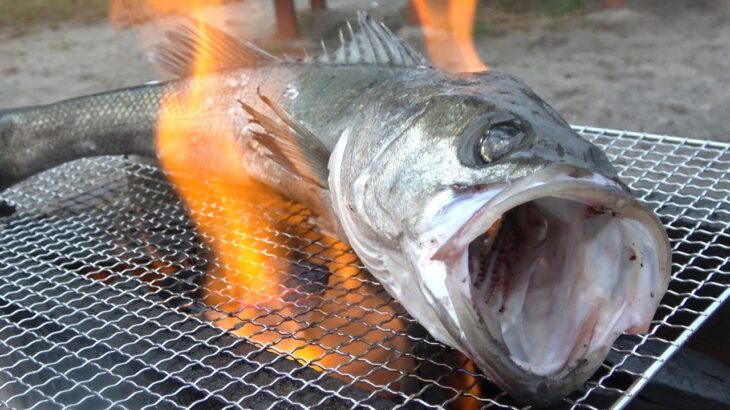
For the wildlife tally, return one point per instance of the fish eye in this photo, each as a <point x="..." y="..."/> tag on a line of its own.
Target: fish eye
<point x="489" y="138"/>
<point x="498" y="140"/>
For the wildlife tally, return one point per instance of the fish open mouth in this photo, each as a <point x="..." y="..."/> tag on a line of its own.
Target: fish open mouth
<point x="555" y="266"/>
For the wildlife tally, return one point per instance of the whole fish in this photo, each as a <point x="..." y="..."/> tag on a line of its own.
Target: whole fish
<point x="503" y="232"/>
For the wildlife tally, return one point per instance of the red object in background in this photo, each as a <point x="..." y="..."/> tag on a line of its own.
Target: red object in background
<point x="613" y="4"/>
<point x="286" y="19"/>
<point x="413" y="14"/>
<point x="318" y="5"/>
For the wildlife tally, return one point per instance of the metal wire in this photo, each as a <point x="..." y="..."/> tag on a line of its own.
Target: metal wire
<point x="110" y="296"/>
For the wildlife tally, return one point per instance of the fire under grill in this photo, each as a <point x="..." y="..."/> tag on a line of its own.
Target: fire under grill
<point x="109" y="296"/>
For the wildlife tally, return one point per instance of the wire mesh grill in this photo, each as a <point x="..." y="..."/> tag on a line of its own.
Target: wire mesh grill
<point x="109" y="296"/>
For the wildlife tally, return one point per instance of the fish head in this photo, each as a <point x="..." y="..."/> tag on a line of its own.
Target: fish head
<point x="506" y="234"/>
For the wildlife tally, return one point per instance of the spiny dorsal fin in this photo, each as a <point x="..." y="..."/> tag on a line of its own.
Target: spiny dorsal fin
<point x="292" y="145"/>
<point x="224" y="52"/>
<point x="373" y="44"/>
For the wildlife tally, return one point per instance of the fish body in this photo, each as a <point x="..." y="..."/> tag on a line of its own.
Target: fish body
<point x="505" y="234"/>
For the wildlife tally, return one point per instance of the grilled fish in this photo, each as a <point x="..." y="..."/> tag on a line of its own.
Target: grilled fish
<point x="503" y="232"/>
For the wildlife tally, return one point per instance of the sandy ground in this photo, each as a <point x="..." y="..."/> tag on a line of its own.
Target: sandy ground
<point x="660" y="67"/>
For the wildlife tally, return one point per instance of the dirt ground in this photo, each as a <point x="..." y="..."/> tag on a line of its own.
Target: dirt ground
<point x="660" y="67"/>
<point x="657" y="66"/>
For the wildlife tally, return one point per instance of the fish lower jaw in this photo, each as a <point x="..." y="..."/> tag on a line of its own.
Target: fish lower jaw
<point x="554" y="282"/>
<point x="555" y="273"/>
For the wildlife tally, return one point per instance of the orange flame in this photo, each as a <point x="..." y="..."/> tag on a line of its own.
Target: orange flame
<point x="245" y="288"/>
<point x="205" y="162"/>
<point x="123" y="13"/>
<point x="344" y="328"/>
<point x="352" y="332"/>
<point x="448" y="32"/>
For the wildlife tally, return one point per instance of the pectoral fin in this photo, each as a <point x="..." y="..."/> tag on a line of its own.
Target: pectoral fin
<point x="291" y="144"/>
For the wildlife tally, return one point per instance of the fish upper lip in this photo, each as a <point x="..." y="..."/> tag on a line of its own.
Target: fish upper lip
<point x="551" y="181"/>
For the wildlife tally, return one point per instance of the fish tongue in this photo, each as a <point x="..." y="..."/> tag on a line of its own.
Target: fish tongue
<point x="494" y="229"/>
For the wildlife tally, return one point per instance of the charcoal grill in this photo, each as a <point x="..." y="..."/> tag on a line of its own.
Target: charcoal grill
<point x="105" y="298"/>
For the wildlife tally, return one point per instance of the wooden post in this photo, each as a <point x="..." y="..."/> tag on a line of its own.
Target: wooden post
<point x="318" y="5"/>
<point x="286" y="19"/>
<point x="412" y="16"/>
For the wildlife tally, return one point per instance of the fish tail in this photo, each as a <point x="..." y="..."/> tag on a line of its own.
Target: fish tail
<point x="33" y="139"/>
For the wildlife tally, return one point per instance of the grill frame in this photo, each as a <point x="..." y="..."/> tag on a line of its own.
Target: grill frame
<point x="682" y="178"/>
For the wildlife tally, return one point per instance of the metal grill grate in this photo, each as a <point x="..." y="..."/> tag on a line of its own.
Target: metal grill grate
<point x="105" y="299"/>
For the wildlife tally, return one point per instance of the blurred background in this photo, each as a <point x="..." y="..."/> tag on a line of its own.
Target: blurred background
<point x="642" y="65"/>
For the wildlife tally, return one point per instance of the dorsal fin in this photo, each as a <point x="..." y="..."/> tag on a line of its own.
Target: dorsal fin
<point x="223" y="52"/>
<point x="373" y="44"/>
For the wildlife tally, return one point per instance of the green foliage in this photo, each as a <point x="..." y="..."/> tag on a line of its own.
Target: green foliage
<point x="19" y="12"/>
<point x="560" y="7"/>
<point x="481" y="28"/>
<point x="549" y="7"/>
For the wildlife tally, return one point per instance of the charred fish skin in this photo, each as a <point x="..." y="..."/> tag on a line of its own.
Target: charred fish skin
<point x="33" y="139"/>
<point x="423" y="164"/>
